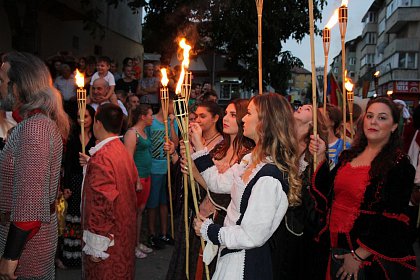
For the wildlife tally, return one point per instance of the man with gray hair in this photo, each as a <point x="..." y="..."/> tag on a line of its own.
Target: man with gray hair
<point x="30" y="168"/>
<point x="99" y="89"/>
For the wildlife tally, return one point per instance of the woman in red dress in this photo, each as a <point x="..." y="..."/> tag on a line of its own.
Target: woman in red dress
<point x="372" y="185"/>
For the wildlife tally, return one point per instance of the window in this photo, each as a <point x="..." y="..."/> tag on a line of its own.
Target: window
<point x="352" y="74"/>
<point x="395" y="4"/>
<point x="407" y="60"/>
<point x="228" y="90"/>
<point x="370" y="38"/>
<point x="352" y="61"/>
<point x="382" y="26"/>
<point x="368" y="59"/>
<point x="371" y="17"/>
<point x="335" y="70"/>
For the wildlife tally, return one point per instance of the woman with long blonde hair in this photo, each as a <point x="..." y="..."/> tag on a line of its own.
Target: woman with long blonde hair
<point x="261" y="186"/>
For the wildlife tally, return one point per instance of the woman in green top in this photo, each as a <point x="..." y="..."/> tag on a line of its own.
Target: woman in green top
<point x="138" y="144"/>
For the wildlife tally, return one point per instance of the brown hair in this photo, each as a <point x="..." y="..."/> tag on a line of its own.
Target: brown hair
<point x="241" y="144"/>
<point x="277" y="139"/>
<point x="335" y="115"/>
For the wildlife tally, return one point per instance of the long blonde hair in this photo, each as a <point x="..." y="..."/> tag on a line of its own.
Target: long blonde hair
<point x="277" y="139"/>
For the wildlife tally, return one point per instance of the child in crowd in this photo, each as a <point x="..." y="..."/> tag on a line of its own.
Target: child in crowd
<point x="102" y="66"/>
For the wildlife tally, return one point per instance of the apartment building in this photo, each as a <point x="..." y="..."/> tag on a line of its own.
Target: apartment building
<point x="389" y="46"/>
<point x="398" y="47"/>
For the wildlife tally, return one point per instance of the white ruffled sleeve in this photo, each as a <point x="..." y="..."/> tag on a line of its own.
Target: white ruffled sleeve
<point x="96" y="245"/>
<point x="266" y="208"/>
<point x="216" y="182"/>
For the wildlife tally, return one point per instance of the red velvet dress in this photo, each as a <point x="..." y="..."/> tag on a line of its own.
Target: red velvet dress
<point x="109" y="210"/>
<point x="349" y="189"/>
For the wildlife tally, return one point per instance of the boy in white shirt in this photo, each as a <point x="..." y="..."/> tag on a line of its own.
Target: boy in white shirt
<point x="102" y="66"/>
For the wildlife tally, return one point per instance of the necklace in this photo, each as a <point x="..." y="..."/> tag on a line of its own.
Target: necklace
<point x="208" y="141"/>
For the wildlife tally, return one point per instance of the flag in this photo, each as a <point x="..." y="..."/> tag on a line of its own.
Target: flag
<point x="333" y="91"/>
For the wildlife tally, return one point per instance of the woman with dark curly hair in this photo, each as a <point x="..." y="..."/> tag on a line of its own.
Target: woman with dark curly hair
<point x="373" y="180"/>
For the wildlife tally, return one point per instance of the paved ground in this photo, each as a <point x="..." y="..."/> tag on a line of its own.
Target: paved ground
<point x="153" y="267"/>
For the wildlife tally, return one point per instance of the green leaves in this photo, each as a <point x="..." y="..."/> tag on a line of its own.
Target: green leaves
<point x="230" y="27"/>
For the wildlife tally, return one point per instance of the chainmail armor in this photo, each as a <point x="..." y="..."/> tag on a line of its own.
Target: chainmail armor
<point x="29" y="178"/>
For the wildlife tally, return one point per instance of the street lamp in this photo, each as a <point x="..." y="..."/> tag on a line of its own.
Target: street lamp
<point x="375" y="80"/>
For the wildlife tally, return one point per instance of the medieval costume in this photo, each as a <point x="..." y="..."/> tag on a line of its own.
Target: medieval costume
<point x="109" y="212"/>
<point x="73" y="178"/>
<point x="29" y="178"/>
<point x="371" y="213"/>
<point x="196" y="265"/>
<point x="297" y="251"/>
<point x="255" y="212"/>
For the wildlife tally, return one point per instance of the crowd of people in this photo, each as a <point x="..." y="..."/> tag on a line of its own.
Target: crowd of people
<point x="275" y="200"/>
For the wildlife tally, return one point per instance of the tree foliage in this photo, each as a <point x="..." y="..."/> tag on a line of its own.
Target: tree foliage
<point x="229" y="27"/>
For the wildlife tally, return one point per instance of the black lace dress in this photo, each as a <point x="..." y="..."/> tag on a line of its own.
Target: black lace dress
<point x="73" y="177"/>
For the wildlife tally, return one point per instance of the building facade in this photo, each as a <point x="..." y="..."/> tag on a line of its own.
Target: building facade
<point x="388" y="46"/>
<point x="61" y="26"/>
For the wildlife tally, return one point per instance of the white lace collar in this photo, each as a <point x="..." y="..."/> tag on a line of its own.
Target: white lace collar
<point x="98" y="146"/>
<point x="302" y="164"/>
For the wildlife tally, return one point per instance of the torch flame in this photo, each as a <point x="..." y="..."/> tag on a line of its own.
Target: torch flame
<point x="80" y="79"/>
<point x="348" y="83"/>
<point x="333" y="20"/>
<point x="344" y="3"/>
<point x="165" y="79"/>
<point x="185" y="63"/>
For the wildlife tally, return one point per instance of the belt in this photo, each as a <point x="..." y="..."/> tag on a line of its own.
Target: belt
<point x="226" y="251"/>
<point x="5" y="215"/>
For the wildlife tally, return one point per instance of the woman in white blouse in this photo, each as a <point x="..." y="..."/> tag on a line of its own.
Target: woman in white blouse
<point x="260" y="187"/>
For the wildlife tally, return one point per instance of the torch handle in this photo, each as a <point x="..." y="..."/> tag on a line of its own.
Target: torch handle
<point x="314" y="101"/>
<point x="193" y="192"/>
<point x="168" y="163"/>
<point x="82" y="132"/>
<point x="343" y="73"/>
<point x="187" y="231"/>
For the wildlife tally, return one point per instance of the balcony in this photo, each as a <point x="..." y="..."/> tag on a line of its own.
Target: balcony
<point x="400" y="17"/>
<point x="368" y="48"/>
<point x="402" y="45"/>
<point x="371" y="27"/>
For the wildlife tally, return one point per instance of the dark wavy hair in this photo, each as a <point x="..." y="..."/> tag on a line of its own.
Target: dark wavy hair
<point x="390" y="152"/>
<point x="335" y="115"/>
<point x="214" y="110"/>
<point x="91" y="112"/>
<point x="241" y="144"/>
